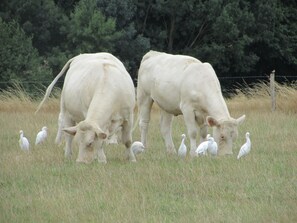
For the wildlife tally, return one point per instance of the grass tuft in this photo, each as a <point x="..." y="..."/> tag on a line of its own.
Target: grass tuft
<point x="16" y="99"/>
<point x="258" y="98"/>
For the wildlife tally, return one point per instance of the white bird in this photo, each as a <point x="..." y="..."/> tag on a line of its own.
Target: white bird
<point x="202" y="148"/>
<point x="24" y="143"/>
<point x="212" y="146"/>
<point x="182" y="151"/>
<point x="137" y="147"/>
<point x="41" y="136"/>
<point x="245" y="148"/>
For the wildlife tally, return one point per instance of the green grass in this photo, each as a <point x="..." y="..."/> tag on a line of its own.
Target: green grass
<point x="41" y="186"/>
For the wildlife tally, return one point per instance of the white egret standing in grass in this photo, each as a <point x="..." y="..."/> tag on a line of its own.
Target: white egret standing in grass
<point x="202" y="148"/>
<point x="137" y="147"/>
<point x="182" y="151"/>
<point x="212" y="146"/>
<point x="245" y="148"/>
<point x="24" y="143"/>
<point x="41" y="136"/>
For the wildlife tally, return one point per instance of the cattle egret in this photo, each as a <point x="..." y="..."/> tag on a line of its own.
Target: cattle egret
<point x="212" y="146"/>
<point x="41" y="136"/>
<point x="245" y="148"/>
<point x="137" y="147"/>
<point x="24" y="143"/>
<point x="202" y="148"/>
<point x="182" y="151"/>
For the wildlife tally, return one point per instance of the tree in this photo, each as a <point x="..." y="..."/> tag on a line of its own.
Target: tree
<point x="227" y="43"/>
<point x="41" y="19"/>
<point x="90" y="31"/>
<point x="19" y="59"/>
<point x="276" y="44"/>
<point x="45" y="23"/>
<point x="131" y="45"/>
<point x="239" y="38"/>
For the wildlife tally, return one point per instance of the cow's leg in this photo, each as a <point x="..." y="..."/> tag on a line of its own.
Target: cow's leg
<point x="203" y="132"/>
<point x="145" y="103"/>
<point x="189" y="117"/>
<point x="68" y="138"/>
<point x="127" y="138"/>
<point x="166" y="125"/>
<point x="100" y="154"/>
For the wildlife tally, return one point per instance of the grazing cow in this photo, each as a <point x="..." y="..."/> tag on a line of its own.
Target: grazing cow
<point x="97" y="101"/>
<point x="183" y="85"/>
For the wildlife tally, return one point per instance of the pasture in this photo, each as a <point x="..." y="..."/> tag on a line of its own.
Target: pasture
<point x="41" y="186"/>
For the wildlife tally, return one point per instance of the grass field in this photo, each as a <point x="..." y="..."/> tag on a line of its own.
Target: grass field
<point x="41" y="186"/>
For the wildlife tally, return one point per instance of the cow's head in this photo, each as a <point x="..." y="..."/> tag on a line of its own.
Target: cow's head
<point x="89" y="138"/>
<point x="225" y="133"/>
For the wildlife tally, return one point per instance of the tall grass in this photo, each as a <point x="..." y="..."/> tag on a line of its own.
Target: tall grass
<point x="41" y="186"/>
<point x="16" y="99"/>
<point x="258" y="97"/>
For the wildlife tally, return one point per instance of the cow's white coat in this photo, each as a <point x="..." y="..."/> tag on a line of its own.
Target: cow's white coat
<point x="97" y="100"/>
<point x="184" y="85"/>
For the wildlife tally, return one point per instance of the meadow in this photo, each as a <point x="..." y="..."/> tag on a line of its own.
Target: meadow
<point x="42" y="186"/>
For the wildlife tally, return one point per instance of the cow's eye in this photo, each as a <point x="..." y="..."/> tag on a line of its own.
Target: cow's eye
<point x="90" y="144"/>
<point x="233" y="134"/>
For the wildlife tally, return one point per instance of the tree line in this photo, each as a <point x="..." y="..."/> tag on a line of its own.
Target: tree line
<point x="238" y="37"/>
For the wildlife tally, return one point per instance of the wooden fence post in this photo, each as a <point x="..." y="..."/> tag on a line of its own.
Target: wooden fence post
<point x="272" y="90"/>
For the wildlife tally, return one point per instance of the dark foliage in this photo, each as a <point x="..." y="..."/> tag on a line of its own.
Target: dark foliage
<point x="239" y="38"/>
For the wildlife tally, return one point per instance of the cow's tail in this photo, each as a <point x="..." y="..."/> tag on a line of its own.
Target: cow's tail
<point x="50" y="87"/>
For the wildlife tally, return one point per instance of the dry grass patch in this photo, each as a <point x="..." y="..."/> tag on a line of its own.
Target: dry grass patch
<point x="258" y="98"/>
<point x="15" y="99"/>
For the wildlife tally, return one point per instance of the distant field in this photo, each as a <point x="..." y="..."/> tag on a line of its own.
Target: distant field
<point x="41" y="186"/>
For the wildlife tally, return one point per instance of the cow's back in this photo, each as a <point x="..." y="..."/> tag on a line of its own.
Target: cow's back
<point x="161" y="76"/>
<point x="91" y="75"/>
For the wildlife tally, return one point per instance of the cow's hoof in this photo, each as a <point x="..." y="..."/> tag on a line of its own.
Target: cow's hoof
<point x="83" y="161"/>
<point x="102" y="161"/>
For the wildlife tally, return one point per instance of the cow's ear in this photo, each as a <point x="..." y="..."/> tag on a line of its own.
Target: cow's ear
<point x="240" y="120"/>
<point x="211" y="121"/>
<point x="70" y="130"/>
<point x="100" y="134"/>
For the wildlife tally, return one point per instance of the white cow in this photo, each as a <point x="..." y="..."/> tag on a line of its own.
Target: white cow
<point x="184" y="85"/>
<point x="97" y="101"/>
